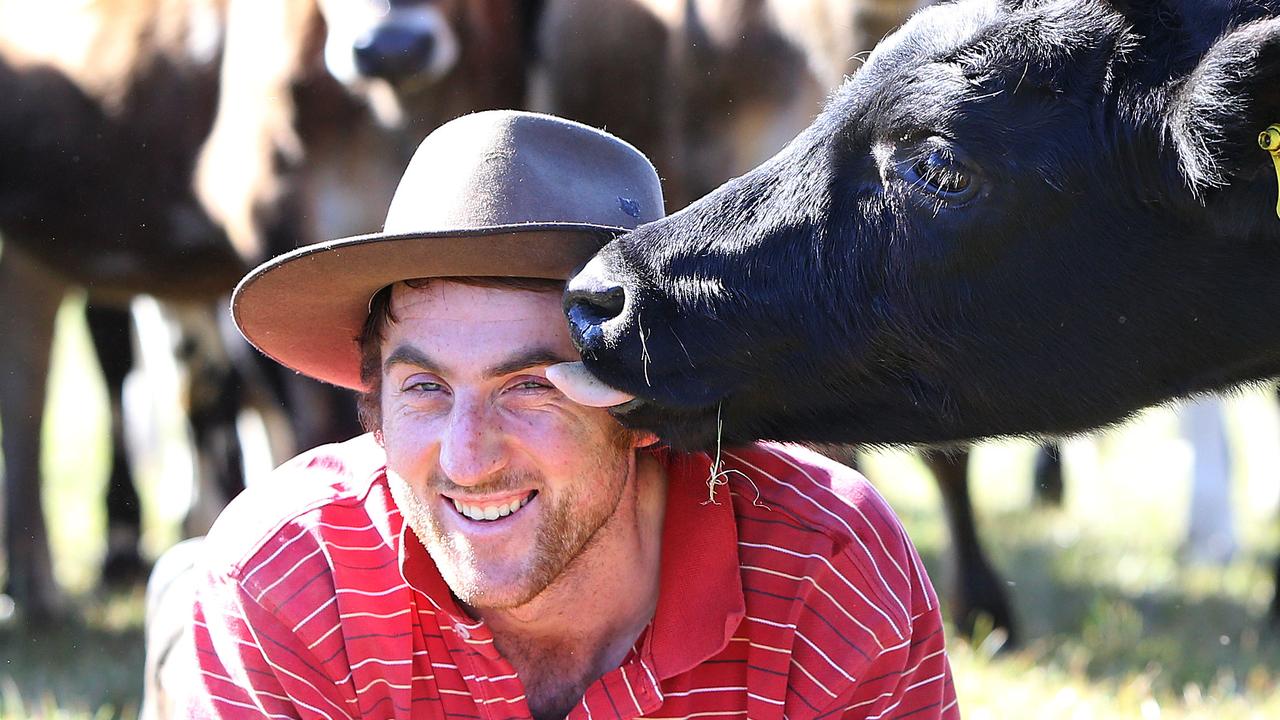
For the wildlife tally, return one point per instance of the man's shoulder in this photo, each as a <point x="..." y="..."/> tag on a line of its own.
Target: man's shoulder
<point x="301" y="496"/>
<point x="811" y="489"/>
<point x="831" y="586"/>
<point x="808" y="520"/>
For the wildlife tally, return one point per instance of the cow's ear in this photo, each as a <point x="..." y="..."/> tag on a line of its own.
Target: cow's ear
<point x="1214" y="114"/>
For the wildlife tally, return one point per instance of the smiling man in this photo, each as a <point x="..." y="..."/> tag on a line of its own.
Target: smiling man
<point x="493" y="549"/>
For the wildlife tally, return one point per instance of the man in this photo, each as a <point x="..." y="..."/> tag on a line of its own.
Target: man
<point x="493" y="549"/>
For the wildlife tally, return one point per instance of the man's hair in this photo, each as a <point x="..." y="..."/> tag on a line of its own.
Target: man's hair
<point x="369" y="402"/>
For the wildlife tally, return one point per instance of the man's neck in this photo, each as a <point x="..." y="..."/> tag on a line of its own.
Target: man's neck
<point x="584" y="624"/>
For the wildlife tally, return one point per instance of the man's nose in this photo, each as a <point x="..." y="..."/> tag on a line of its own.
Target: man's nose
<point x="472" y="449"/>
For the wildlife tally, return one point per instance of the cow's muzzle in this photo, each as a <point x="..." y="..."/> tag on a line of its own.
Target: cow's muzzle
<point x="592" y="299"/>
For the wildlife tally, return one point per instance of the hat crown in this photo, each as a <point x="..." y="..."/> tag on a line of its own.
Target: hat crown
<point x="500" y="168"/>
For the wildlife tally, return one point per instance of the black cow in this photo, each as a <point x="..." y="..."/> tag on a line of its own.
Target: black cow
<point x="709" y="91"/>
<point x="1019" y="218"/>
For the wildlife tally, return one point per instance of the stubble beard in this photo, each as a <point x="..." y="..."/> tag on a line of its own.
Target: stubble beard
<point x="564" y="534"/>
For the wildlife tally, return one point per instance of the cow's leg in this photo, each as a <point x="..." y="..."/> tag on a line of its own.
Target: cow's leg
<point x="319" y="413"/>
<point x="978" y="590"/>
<point x="110" y="328"/>
<point x="1275" y="596"/>
<point x="262" y="391"/>
<point x="214" y="409"/>
<point x="29" y="296"/>
<point x="1048" y="488"/>
<point x="213" y="405"/>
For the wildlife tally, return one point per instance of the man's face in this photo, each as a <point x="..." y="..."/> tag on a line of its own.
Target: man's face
<point x="503" y="478"/>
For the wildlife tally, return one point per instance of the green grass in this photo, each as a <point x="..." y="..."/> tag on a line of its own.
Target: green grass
<point x="1113" y="625"/>
<point x="89" y="666"/>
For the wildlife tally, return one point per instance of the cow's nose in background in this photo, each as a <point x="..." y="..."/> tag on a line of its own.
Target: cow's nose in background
<point x="394" y="52"/>
<point x="591" y="299"/>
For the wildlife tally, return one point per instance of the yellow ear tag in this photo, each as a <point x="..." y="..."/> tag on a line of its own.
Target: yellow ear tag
<point x="1269" y="140"/>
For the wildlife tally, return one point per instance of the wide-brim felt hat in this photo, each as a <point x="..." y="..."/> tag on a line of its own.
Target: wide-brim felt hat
<point x="498" y="193"/>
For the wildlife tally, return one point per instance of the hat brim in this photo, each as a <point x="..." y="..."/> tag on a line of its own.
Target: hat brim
<point x="305" y="309"/>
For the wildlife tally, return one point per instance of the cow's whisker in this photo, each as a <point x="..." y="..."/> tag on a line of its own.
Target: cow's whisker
<point x="685" y="349"/>
<point x="644" y="351"/>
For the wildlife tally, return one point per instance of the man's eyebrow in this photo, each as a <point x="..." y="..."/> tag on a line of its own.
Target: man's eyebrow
<point x="410" y="355"/>
<point x="532" y="357"/>
<point x="522" y="360"/>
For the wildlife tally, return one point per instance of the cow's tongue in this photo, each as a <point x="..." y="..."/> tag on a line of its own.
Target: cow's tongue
<point x="579" y="385"/>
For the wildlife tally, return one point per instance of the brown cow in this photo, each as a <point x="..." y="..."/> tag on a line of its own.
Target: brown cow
<point x="164" y="146"/>
<point x="707" y="89"/>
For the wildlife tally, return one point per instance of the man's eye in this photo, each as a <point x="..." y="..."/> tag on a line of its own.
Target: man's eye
<point x="422" y="386"/>
<point x="530" y="385"/>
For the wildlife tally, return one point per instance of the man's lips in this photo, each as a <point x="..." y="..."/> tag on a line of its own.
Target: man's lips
<point x="491" y="508"/>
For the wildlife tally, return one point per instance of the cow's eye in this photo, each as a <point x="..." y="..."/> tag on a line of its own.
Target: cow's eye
<point x="937" y="171"/>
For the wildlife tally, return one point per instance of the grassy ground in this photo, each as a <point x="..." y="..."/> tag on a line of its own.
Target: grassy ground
<point x="1114" y="626"/>
<point x="87" y="667"/>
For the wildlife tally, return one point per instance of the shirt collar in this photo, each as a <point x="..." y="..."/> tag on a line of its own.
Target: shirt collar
<point x="422" y="575"/>
<point x="700" y="599"/>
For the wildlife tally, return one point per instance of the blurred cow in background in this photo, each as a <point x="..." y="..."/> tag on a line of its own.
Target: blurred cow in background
<point x="106" y="108"/>
<point x="165" y="146"/>
<point x="706" y="88"/>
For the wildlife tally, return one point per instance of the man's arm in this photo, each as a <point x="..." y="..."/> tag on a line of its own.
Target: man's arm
<point x="868" y="638"/>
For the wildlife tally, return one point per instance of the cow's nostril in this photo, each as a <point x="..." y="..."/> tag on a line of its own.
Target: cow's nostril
<point x="594" y="306"/>
<point x="394" y="52"/>
<point x="591" y="299"/>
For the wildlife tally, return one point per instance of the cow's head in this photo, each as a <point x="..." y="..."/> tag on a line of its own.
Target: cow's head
<point x="395" y="40"/>
<point x="398" y="54"/>
<point x="1017" y="217"/>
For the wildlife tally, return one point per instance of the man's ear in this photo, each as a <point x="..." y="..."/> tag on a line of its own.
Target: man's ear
<point x="1215" y="114"/>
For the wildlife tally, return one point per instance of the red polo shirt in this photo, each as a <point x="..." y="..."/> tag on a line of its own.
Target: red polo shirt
<point x="796" y="594"/>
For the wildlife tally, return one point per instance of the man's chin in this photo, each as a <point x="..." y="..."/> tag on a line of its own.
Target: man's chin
<point x="476" y="578"/>
<point x="484" y="592"/>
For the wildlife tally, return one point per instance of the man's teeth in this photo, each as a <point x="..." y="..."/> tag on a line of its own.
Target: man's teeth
<point x="490" y="512"/>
